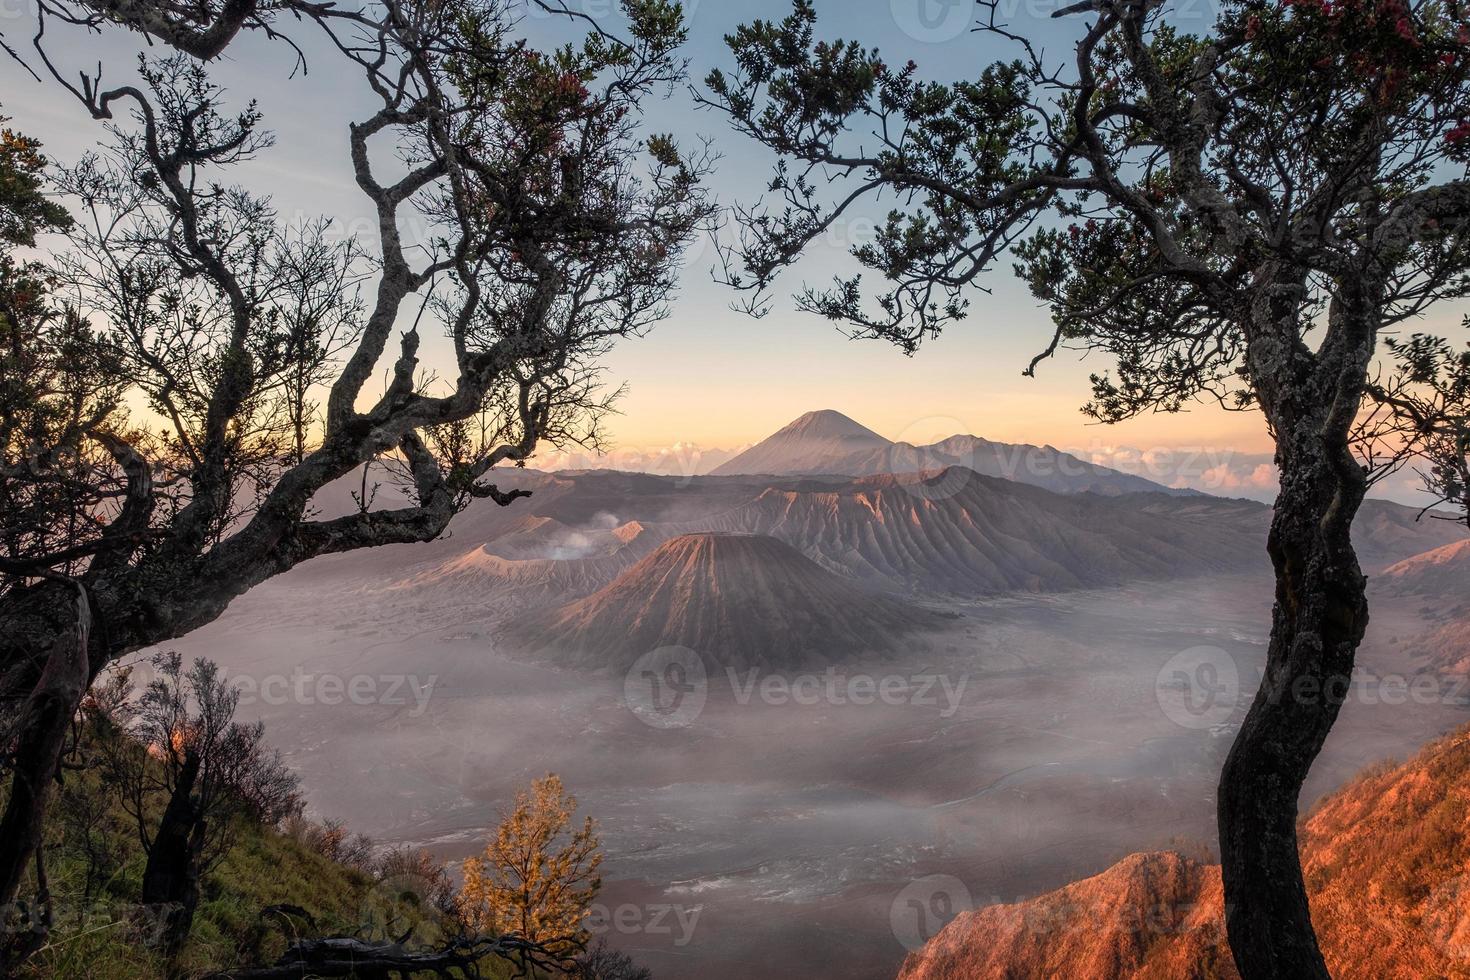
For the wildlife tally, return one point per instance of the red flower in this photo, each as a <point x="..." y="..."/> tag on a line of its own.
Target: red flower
<point x="1459" y="134"/>
<point x="1252" y="27"/>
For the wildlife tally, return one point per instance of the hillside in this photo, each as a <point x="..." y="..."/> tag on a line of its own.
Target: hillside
<point x="1441" y="577"/>
<point x="1443" y="572"/>
<point x="1387" y="862"/>
<point x="319" y="880"/>
<point x="1445" y="648"/>
<point x="828" y="442"/>
<point x="739" y="600"/>
<point x="1385" y="532"/>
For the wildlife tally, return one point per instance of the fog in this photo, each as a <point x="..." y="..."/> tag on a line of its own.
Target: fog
<point x="821" y="817"/>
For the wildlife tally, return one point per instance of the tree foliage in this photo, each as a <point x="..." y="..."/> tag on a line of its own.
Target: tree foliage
<point x="534" y="223"/>
<point x="190" y="369"/>
<point x="1420" y="418"/>
<point x="537" y="878"/>
<point x="55" y="381"/>
<point x="1241" y="215"/>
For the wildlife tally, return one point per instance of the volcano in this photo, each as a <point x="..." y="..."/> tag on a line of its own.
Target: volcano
<point x="819" y="442"/>
<point x="830" y="443"/>
<point x="739" y="600"/>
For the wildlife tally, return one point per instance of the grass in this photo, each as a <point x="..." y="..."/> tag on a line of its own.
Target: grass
<point x="95" y="861"/>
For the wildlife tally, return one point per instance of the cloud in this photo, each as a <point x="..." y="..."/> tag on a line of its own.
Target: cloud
<point x="1212" y="469"/>
<point x="679" y="459"/>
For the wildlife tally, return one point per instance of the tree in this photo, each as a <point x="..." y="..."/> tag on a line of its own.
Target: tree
<point x="536" y="880"/>
<point x="48" y="390"/>
<point x="1238" y="215"/>
<point x="185" y="773"/>
<point x="553" y="228"/>
<point x="25" y="210"/>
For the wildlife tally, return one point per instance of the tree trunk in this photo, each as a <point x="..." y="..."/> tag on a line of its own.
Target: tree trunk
<point x="171" y="876"/>
<point x="1319" y="618"/>
<point x="42" y="723"/>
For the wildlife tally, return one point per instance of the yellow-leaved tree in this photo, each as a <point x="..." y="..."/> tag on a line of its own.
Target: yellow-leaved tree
<point x="536" y="879"/>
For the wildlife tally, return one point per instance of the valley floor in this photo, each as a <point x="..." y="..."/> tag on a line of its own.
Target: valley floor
<point x="789" y="829"/>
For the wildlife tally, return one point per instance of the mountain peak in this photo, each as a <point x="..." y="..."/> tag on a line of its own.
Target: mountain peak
<point x="824" y="441"/>
<point x="829" y="423"/>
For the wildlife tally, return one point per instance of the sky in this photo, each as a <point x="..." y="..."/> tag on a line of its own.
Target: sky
<point x="710" y="378"/>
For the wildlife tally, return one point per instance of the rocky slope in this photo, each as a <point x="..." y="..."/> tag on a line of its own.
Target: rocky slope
<point x="1387" y="862"/>
<point x="739" y="600"/>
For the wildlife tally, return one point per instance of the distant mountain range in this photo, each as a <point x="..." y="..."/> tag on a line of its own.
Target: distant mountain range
<point x="739" y="600"/>
<point x="603" y="566"/>
<point x="952" y="532"/>
<point x="828" y="442"/>
<point x="1385" y="860"/>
